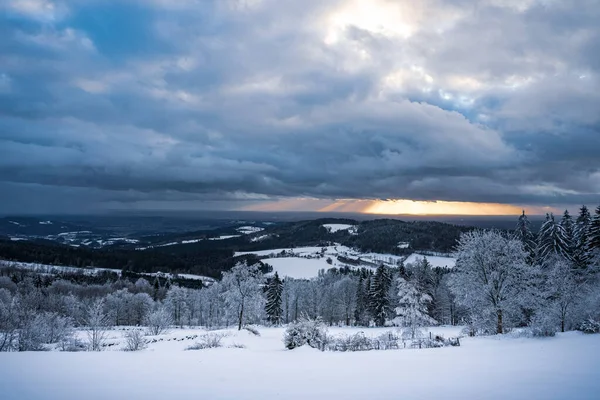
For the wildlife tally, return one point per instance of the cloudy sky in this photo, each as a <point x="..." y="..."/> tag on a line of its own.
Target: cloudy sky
<point x="299" y="104"/>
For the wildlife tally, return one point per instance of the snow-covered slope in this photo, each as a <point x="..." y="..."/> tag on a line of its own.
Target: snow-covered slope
<point x="564" y="367"/>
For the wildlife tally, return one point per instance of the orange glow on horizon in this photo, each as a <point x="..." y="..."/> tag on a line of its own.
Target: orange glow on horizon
<point x="396" y="207"/>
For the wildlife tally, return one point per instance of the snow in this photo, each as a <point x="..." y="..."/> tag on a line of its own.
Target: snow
<point x="15" y="223"/>
<point x="224" y="237"/>
<point x="45" y="222"/>
<point x="492" y="368"/>
<point x="435" y="261"/>
<point x="300" y="268"/>
<point x="246" y="230"/>
<point x="340" y="227"/>
<point x="259" y="238"/>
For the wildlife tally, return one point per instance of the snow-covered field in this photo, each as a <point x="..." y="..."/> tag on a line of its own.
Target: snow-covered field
<point x="299" y="268"/>
<point x="435" y="261"/>
<point x="563" y="367"/>
<point x="295" y="264"/>
<point x="340" y="227"/>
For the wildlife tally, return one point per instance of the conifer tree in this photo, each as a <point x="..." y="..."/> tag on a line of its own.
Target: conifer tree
<point x="594" y="231"/>
<point x="273" y="304"/>
<point x="580" y="237"/>
<point x="524" y="234"/>
<point x="379" y="295"/>
<point x="568" y="225"/>
<point x="552" y="240"/>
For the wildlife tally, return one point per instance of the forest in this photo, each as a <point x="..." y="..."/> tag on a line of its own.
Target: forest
<point x="546" y="281"/>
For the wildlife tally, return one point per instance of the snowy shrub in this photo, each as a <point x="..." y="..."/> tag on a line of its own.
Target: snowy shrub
<point x="207" y="341"/>
<point x="159" y="321"/>
<point x="306" y="331"/>
<point x="542" y="325"/>
<point x="32" y="334"/>
<point x="590" y="326"/>
<point x="71" y="343"/>
<point x="134" y="340"/>
<point x="252" y="329"/>
<point x="237" y="346"/>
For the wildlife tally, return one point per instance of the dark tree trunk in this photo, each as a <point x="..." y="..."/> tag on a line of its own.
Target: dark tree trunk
<point x="241" y="317"/>
<point x="499" y="329"/>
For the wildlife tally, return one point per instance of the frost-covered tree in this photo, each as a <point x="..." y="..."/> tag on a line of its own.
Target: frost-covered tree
<point x="96" y="323"/>
<point x="243" y="293"/>
<point x="552" y="241"/>
<point x="490" y="277"/>
<point x="9" y="320"/>
<point x="274" y="300"/>
<point x="412" y="307"/>
<point x="345" y="296"/>
<point x="379" y="301"/>
<point x="176" y="304"/>
<point x="362" y="301"/>
<point x="562" y="291"/>
<point x="580" y="237"/>
<point x="524" y="234"/>
<point x="159" y="321"/>
<point x="594" y="232"/>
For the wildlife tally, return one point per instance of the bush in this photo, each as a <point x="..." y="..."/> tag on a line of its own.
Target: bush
<point x="543" y="326"/>
<point x="159" y="321"/>
<point x="590" y="326"/>
<point x="306" y="331"/>
<point x="71" y="343"/>
<point x="134" y="340"/>
<point x="207" y="341"/>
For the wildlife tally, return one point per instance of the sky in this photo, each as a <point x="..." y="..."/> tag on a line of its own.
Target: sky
<point x="424" y="107"/>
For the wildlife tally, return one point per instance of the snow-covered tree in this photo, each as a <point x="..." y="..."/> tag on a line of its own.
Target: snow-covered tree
<point x="594" y="232"/>
<point x="580" y="237"/>
<point x="562" y="291"/>
<point x="362" y="301"/>
<point x="552" y="241"/>
<point x="176" y="304"/>
<point x="159" y="321"/>
<point x="243" y="293"/>
<point x="96" y="322"/>
<point x="524" y="234"/>
<point x="412" y="307"/>
<point x="345" y="296"/>
<point x="489" y="277"/>
<point x="379" y="301"/>
<point x="274" y="300"/>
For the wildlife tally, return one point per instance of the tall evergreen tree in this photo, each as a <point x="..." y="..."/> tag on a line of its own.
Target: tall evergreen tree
<point x="379" y="295"/>
<point x="552" y="240"/>
<point x="361" y="301"/>
<point x="273" y="304"/>
<point x="594" y="232"/>
<point x="593" y="244"/>
<point x="569" y="227"/>
<point x="580" y="237"/>
<point x="524" y="234"/>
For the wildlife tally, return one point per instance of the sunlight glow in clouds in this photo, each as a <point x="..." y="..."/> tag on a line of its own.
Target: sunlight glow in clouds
<point x="396" y="207"/>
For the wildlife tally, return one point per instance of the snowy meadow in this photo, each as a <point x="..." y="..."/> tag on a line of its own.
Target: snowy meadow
<point x="508" y="367"/>
<point x="517" y="316"/>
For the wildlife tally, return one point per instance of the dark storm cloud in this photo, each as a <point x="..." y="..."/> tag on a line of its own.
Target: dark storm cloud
<point x="127" y="102"/>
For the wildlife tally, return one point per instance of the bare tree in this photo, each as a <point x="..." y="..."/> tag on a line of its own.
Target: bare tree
<point x="96" y="322"/>
<point x="243" y="293"/>
<point x="159" y="321"/>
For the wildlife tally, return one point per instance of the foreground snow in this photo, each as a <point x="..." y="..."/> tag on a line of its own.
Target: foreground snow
<point x="564" y="367"/>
